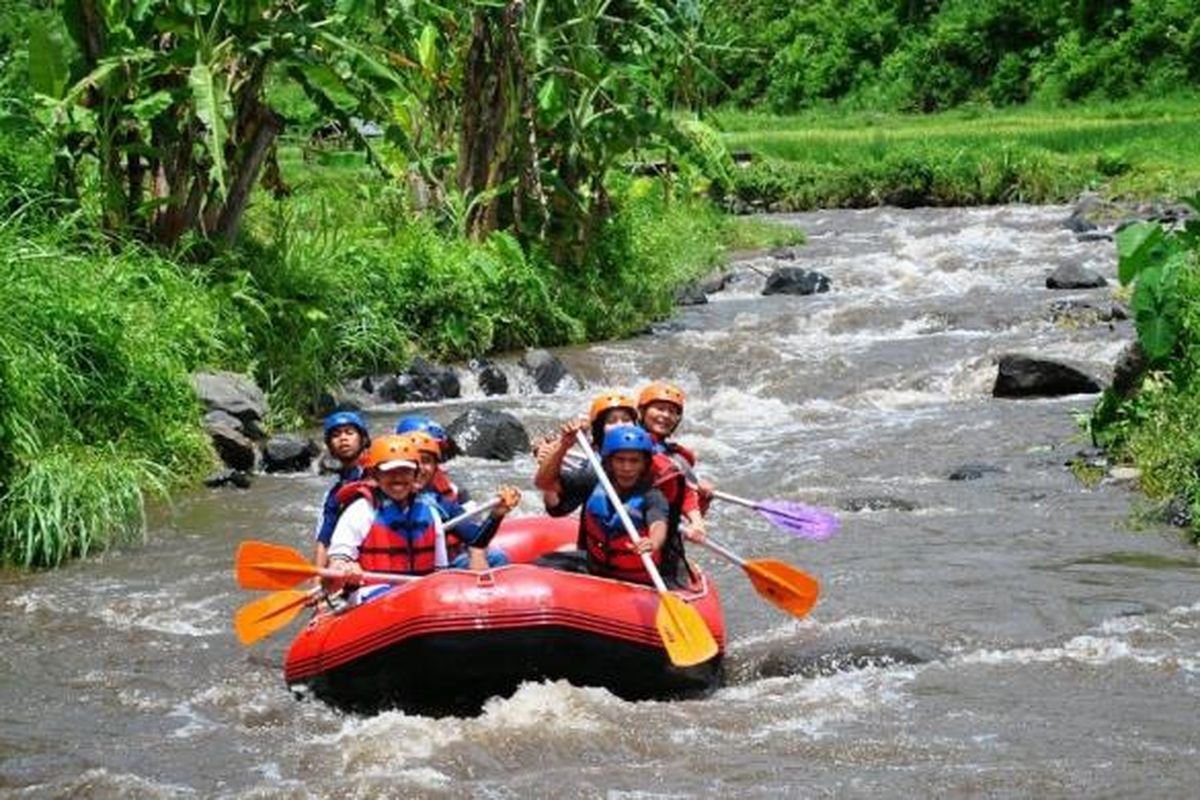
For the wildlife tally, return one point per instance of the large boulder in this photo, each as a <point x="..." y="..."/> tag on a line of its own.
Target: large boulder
<point x="421" y="382"/>
<point x="235" y="449"/>
<point x="1073" y="276"/>
<point x="350" y="396"/>
<point x="236" y="395"/>
<point x="796" y="280"/>
<point x="690" y="294"/>
<point x="492" y="380"/>
<point x="717" y="282"/>
<point x="485" y="433"/>
<point x="1022" y="376"/>
<point x="289" y="452"/>
<point x="547" y="371"/>
<point x="229" y="477"/>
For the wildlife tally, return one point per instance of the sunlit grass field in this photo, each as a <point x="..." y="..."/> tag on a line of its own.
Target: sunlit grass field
<point x="1136" y="149"/>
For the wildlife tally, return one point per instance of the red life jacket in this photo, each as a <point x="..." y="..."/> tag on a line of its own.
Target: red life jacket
<point x="609" y="548"/>
<point x="684" y="460"/>
<point x="443" y="486"/>
<point x="353" y="490"/>
<point x="400" y="540"/>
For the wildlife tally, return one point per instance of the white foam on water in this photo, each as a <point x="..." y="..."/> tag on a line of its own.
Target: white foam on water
<point x="99" y="782"/>
<point x="164" y="612"/>
<point x="546" y="706"/>
<point x="806" y="629"/>
<point x="391" y="739"/>
<point x="740" y="413"/>
<point x="814" y="704"/>
<point x="1089" y="650"/>
<point x="194" y="723"/>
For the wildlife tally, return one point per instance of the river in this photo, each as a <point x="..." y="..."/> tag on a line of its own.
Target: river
<point x="1014" y="635"/>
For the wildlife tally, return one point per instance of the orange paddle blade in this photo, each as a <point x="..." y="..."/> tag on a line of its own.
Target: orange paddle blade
<point x="262" y="565"/>
<point x="687" y="639"/>
<point x="788" y="588"/>
<point x="262" y="617"/>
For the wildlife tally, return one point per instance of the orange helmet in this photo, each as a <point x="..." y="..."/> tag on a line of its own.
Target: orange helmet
<point x="424" y="443"/>
<point x="391" y="452"/>
<point x="611" y="400"/>
<point x="659" y="391"/>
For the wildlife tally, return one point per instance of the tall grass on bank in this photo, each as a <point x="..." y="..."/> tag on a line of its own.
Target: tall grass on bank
<point x="95" y="351"/>
<point x="969" y="156"/>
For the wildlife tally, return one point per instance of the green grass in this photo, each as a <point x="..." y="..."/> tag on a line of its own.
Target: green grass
<point x="95" y="353"/>
<point x="1134" y="149"/>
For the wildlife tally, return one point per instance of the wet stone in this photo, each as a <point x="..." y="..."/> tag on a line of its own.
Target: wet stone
<point x="973" y="472"/>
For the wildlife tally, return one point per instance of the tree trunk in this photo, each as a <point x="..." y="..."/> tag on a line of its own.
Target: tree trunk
<point x="490" y="137"/>
<point x="262" y="129"/>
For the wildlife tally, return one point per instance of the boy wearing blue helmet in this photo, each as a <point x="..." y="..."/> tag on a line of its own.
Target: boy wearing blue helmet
<point x="611" y="553"/>
<point x="346" y="437"/>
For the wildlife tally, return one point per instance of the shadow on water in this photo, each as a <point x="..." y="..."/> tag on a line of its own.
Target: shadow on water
<point x="1132" y="559"/>
<point x="818" y="659"/>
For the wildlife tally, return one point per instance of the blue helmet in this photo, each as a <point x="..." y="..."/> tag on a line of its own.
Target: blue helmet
<point x="626" y="437"/>
<point x="424" y="425"/>
<point x="339" y="419"/>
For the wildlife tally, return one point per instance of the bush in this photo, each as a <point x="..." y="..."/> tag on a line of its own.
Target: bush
<point x="1156" y="425"/>
<point x="95" y="354"/>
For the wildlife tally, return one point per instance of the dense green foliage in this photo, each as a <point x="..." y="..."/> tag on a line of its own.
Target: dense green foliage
<point x="924" y="55"/>
<point x="1156" y="424"/>
<point x="165" y="209"/>
<point x="1144" y="148"/>
<point x="95" y="350"/>
<point x="97" y="345"/>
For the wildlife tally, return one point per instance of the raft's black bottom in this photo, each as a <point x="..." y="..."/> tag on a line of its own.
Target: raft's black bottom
<point x="454" y="673"/>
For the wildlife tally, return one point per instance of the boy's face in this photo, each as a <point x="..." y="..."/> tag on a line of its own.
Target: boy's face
<point x="618" y="416"/>
<point x="660" y="417"/>
<point x="427" y="466"/>
<point x="345" y="443"/>
<point x="397" y="483"/>
<point x="626" y="467"/>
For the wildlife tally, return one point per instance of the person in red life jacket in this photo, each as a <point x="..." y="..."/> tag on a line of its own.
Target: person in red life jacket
<point x="472" y="538"/>
<point x="611" y="552"/>
<point x="346" y="437"/>
<point x="566" y="487"/>
<point x="439" y="481"/>
<point x="660" y="406"/>
<point x="386" y="526"/>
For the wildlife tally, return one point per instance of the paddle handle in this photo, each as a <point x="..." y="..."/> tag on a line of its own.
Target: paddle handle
<point x="739" y="501"/>
<point x="581" y="437"/>
<point x="474" y="512"/>
<point x="721" y="550"/>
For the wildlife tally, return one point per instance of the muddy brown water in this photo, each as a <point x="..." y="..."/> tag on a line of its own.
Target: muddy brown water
<point x="1012" y="635"/>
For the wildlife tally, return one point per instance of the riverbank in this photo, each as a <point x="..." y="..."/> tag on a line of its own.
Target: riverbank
<point x="1131" y="150"/>
<point x="333" y="281"/>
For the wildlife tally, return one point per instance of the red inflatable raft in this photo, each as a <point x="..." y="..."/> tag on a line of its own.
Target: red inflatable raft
<point x="448" y="641"/>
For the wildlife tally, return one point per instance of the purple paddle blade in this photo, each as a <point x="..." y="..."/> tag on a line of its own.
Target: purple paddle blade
<point x="805" y="521"/>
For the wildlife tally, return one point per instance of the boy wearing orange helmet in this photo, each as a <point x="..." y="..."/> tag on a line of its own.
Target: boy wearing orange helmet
<point x="386" y="526"/>
<point x="660" y="406"/>
<point x="472" y="538"/>
<point x="566" y="487"/>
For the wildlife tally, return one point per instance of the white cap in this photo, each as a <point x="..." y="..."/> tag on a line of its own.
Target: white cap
<point x="388" y="466"/>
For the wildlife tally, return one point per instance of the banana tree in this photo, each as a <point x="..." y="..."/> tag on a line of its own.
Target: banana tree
<point x="555" y="94"/>
<point x="164" y="102"/>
